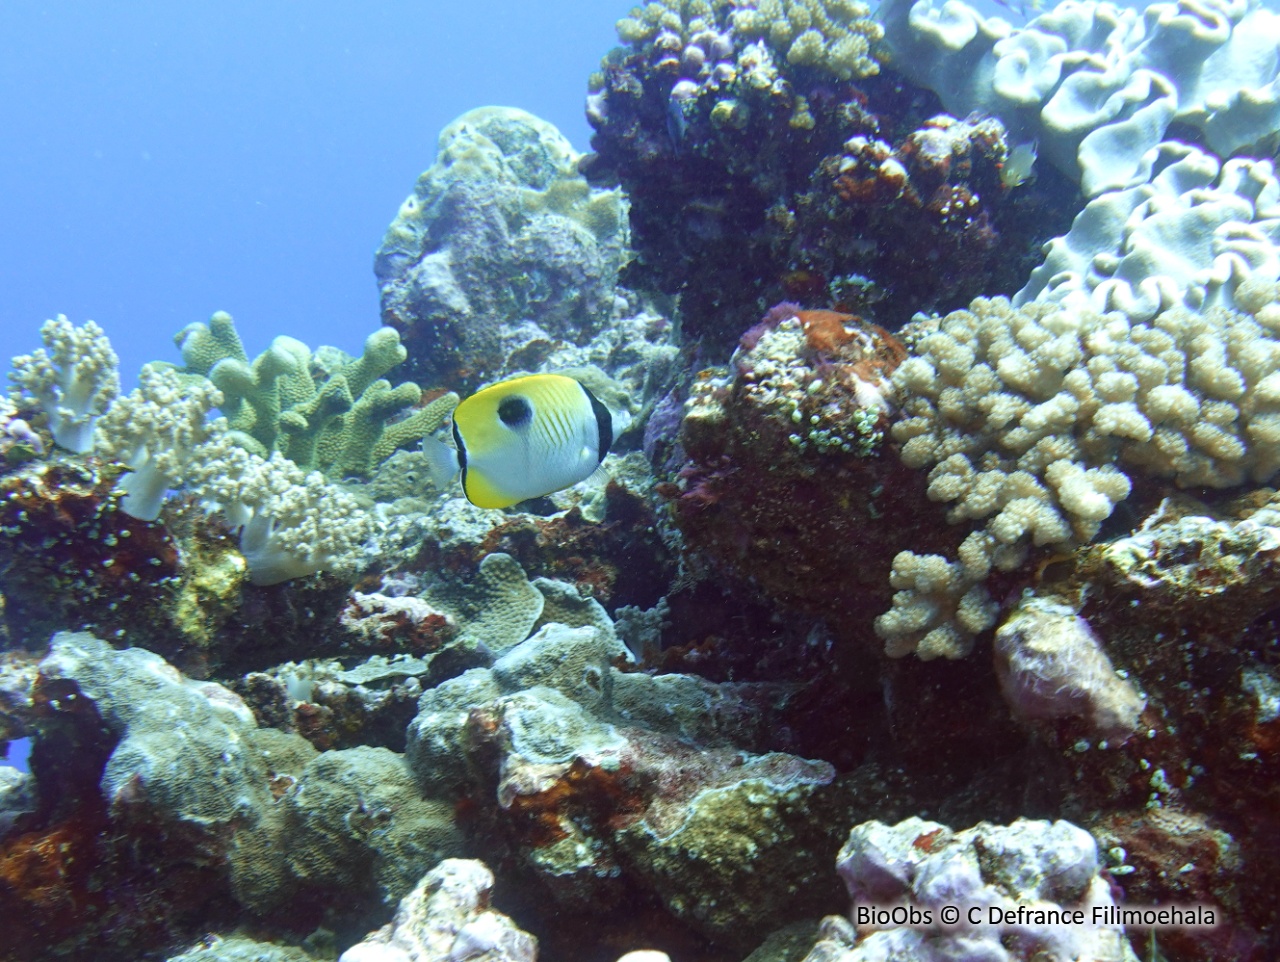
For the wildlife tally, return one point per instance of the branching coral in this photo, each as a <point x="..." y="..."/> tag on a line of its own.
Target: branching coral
<point x="74" y="377"/>
<point x="328" y="411"/>
<point x="154" y="431"/>
<point x="1033" y="421"/>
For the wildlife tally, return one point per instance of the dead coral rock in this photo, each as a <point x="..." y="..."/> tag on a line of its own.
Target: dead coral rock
<point x="790" y="484"/>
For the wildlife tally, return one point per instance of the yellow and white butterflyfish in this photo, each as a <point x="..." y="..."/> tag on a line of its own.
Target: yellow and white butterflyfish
<point x="528" y="437"/>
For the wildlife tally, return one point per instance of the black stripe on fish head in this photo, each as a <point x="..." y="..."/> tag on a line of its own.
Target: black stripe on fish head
<point x="462" y="453"/>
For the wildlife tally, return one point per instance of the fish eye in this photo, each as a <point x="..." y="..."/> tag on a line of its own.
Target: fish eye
<point x="515" y="411"/>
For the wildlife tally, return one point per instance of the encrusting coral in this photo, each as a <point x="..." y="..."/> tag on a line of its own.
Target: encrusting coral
<point x="74" y="378"/>
<point x="326" y="412"/>
<point x="501" y="251"/>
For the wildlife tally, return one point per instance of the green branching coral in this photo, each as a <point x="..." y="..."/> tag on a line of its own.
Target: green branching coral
<point x="835" y="35"/>
<point x="326" y="412"/>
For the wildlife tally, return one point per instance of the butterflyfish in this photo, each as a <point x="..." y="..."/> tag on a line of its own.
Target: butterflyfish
<point x="528" y="437"/>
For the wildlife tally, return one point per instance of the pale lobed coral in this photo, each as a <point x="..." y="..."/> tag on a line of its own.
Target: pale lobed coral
<point x="155" y="431"/>
<point x="74" y="378"/>
<point x="1191" y="233"/>
<point x="1097" y="84"/>
<point x="685" y="18"/>
<point x="689" y="37"/>
<point x="939" y="606"/>
<point x="292" y="523"/>
<point x="1031" y="421"/>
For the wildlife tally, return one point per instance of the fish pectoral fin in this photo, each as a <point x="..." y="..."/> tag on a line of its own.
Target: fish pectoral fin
<point x="442" y="462"/>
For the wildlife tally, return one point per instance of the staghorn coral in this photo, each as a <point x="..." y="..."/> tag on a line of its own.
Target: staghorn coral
<point x="1035" y="421"/>
<point x="73" y="377"/>
<point x="155" y="432"/>
<point x="327" y="412"/>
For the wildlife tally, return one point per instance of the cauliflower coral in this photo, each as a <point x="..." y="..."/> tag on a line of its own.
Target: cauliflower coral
<point x="1036" y="421"/>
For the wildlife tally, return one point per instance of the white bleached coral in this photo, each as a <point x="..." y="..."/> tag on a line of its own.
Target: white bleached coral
<point x="74" y="377"/>
<point x="1191" y="233"/>
<point x="1034" y="422"/>
<point x="292" y="523"/>
<point x="155" y="431"/>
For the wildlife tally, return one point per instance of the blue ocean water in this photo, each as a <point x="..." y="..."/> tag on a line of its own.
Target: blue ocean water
<point x="162" y="161"/>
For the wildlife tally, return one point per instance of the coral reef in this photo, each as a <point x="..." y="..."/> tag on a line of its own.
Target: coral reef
<point x="326" y="412"/>
<point x="74" y="378"/>
<point x="756" y="173"/>
<point x="1096" y="84"/>
<point x="501" y="251"/>
<point x="788" y="481"/>
<point x="589" y="777"/>
<point x="1037" y="421"/>
<point x="183" y="763"/>
<point x="267" y="708"/>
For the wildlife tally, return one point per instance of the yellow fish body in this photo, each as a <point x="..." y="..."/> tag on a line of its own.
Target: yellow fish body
<point x="528" y="437"/>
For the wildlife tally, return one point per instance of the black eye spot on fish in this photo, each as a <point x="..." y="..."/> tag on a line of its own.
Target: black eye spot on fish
<point x="515" y="411"/>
